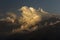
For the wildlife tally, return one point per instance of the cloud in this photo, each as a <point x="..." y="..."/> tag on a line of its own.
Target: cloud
<point x="41" y="10"/>
<point x="28" y="21"/>
<point x="29" y="17"/>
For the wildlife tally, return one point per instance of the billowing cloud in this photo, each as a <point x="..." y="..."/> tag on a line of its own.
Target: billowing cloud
<point x="28" y="21"/>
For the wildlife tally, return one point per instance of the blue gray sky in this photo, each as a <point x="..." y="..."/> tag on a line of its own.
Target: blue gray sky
<point x="52" y="6"/>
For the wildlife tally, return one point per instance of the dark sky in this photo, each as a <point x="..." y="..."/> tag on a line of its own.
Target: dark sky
<point x="13" y="5"/>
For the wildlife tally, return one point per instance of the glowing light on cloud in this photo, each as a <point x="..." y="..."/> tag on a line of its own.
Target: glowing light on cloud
<point x="28" y="20"/>
<point x="29" y="16"/>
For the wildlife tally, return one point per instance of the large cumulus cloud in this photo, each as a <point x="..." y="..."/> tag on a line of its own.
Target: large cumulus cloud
<point x="28" y="20"/>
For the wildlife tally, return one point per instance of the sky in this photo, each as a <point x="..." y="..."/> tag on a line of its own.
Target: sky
<point x="52" y="6"/>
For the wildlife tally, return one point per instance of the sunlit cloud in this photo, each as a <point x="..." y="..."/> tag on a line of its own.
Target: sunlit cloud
<point x="28" y="20"/>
